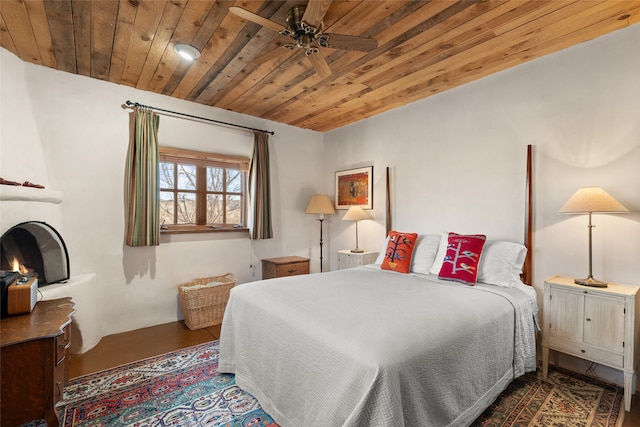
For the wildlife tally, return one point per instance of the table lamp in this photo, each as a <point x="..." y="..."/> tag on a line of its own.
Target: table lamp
<point x="321" y="205"/>
<point x="592" y="200"/>
<point x="355" y="213"/>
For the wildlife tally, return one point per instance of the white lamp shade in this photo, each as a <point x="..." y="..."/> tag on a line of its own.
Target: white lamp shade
<point x="592" y="199"/>
<point x="355" y="213"/>
<point x="320" y="204"/>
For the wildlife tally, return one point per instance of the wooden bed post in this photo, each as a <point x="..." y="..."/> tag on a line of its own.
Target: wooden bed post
<point x="388" y="203"/>
<point x="528" y="220"/>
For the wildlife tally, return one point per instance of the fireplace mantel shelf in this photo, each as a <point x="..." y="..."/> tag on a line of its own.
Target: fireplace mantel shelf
<point x="29" y="194"/>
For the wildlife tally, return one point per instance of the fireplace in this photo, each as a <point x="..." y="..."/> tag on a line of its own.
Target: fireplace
<point x="35" y="249"/>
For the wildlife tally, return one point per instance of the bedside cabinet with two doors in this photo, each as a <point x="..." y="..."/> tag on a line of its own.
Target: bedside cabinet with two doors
<point x="600" y="325"/>
<point x="348" y="259"/>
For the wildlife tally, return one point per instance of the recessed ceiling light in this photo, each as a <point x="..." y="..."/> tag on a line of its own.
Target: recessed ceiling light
<point x="187" y="51"/>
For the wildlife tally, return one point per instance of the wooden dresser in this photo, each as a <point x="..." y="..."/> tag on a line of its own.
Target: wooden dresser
<point x="34" y="358"/>
<point x="284" y="266"/>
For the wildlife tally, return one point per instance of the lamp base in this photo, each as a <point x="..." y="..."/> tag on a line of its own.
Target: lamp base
<point x="590" y="281"/>
<point x="357" y="251"/>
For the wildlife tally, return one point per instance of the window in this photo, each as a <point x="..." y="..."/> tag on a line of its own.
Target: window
<point x="202" y="191"/>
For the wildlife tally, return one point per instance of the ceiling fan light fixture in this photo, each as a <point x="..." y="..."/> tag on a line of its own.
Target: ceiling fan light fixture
<point x="187" y="51"/>
<point x="303" y="41"/>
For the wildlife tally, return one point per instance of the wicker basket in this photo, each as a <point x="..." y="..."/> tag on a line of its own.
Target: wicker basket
<point x="203" y="305"/>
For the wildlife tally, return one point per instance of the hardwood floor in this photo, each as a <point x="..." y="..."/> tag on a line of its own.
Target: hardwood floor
<point x="115" y="350"/>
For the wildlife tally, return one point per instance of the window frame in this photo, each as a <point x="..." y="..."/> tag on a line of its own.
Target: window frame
<point x="202" y="160"/>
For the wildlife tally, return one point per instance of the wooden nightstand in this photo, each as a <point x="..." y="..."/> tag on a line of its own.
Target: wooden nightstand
<point x="596" y="324"/>
<point x="284" y="266"/>
<point x="348" y="259"/>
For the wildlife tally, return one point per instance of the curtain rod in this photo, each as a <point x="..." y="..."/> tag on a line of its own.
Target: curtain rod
<point x="135" y="104"/>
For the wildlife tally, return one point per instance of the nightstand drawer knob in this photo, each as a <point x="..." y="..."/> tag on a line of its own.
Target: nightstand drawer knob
<point x="583" y="351"/>
<point x="588" y="319"/>
<point x="292" y="270"/>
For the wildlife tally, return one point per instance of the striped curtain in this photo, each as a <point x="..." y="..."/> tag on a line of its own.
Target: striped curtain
<point x="260" y="188"/>
<point x="142" y="193"/>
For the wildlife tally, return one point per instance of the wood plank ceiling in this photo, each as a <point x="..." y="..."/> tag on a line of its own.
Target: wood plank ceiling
<point x="424" y="47"/>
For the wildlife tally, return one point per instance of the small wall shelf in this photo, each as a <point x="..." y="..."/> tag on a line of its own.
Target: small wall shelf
<point x="29" y="194"/>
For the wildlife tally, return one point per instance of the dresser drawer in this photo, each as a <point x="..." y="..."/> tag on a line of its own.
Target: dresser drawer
<point x="292" y="269"/>
<point x="62" y="345"/>
<point x="589" y="352"/>
<point x="284" y="266"/>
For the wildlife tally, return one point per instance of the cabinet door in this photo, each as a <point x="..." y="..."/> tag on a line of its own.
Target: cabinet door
<point x="343" y="260"/>
<point x="566" y="314"/>
<point x="355" y="260"/>
<point x="604" y="322"/>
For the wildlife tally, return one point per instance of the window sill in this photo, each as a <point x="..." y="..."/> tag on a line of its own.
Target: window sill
<point x="201" y="229"/>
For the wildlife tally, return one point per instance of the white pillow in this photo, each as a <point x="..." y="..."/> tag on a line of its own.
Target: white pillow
<point x="424" y="253"/>
<point x="442" y="251"/>
<point x="383" y="249"/>
<point x="501" y="263"/>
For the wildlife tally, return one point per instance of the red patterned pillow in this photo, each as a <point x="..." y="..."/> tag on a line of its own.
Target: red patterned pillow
<point x="397" y="256"/>
<point x="462" y="258"/>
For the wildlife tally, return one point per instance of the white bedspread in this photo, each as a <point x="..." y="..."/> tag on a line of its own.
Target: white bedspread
<point x="366" y="347"/>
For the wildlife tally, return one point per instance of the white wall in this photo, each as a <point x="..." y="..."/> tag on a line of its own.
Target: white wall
<point x="71" y="134"/>
<point x="21" y="155"/>
<point x="458" y="159"/>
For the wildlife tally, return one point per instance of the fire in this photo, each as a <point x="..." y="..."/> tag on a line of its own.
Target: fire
<point x="20" y="268"/>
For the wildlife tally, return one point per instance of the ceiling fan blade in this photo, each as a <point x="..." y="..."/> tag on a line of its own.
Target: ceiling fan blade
<point x="343" y="41"/>
<point x="250" y="16"/>
<point x="320" y="64"/>
<point x="315" y="11"/>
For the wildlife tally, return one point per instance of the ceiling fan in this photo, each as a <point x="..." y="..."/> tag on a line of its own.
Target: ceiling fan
<point x="304" y="26"/>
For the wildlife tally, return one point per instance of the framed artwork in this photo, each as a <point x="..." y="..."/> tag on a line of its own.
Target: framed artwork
<point x="354" y="187"/>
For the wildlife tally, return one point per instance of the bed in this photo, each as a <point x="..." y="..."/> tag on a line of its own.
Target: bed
<point x="370" y="346"/>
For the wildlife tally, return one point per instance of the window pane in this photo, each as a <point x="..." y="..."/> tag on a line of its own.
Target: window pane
<point x="213" y="186"/>
<point x="234" y="210"/>
<point x="186" y="208"/>
<point x="166" y="175"/>
<point x="186" y="177"/>
<point x="234" y="181"/>
<point x="214" y="209"/>
<point x="166" y="208"/>
<point x="214" y="179"/>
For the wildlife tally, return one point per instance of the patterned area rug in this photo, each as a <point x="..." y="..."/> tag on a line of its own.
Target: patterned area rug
<point x="184" y="388"/>
<point x="563" y="399"/>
